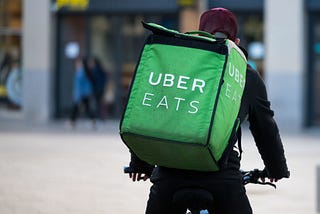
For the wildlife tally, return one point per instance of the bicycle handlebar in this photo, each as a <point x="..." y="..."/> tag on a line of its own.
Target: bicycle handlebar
<point x="252" y="176"/>
<point x="128" y="169"/>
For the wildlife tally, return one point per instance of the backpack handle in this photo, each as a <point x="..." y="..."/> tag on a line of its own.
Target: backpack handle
<point x="201" y="33"/>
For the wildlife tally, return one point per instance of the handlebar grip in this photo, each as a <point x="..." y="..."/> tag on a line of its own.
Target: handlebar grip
<point x="128" y="169"/>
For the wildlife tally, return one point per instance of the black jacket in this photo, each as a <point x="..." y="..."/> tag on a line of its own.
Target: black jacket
<point x="255" y="108"/>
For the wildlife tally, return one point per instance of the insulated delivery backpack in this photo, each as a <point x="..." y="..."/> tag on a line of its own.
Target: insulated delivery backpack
<point x="184" y="100"/>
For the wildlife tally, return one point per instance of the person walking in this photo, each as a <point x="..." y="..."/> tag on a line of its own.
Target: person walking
<point x="100" y="80"/>
<point x="82" y="91"/>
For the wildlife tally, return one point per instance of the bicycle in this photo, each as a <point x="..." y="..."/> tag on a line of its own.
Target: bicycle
<point x="197" y="200"/>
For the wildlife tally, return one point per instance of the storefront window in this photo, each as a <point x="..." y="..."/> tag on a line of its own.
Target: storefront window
<point x="316" y="71"/>
<point x="10" y="54"/>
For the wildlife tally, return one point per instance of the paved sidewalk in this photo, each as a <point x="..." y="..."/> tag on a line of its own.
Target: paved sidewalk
<point x="52" y="169"/>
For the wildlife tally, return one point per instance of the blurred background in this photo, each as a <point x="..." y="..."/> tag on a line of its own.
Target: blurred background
<point x="39" y="41"/>
<point x="48" y="168"/>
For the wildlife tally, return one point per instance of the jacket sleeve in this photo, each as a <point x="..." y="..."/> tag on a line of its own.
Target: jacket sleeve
<point x="265" y="132"/>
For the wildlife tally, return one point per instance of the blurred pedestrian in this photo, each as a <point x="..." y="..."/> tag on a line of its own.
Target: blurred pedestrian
<point x="82" y="91"/>
<point x="100" y="80"/>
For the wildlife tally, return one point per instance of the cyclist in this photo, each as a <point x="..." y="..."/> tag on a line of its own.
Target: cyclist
<point x="225" y="185"/>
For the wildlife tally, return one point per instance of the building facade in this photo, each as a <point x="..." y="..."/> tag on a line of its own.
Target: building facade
<point x="284" y="48"/>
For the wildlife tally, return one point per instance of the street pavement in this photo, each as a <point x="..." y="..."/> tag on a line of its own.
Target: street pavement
<point x="50" y="168"/>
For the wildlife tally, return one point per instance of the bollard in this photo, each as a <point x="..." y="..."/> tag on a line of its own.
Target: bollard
<point x="318" y="189"/>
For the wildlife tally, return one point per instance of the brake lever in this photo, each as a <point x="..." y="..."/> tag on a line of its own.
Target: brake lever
<point x="267" y="183"/>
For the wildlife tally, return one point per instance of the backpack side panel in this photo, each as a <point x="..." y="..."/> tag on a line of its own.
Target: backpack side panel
<point x="229" y="102"/>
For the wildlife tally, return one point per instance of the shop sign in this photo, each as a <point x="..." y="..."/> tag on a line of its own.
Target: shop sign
<point x="186" y="3"/>
<point x="72" y="4"/>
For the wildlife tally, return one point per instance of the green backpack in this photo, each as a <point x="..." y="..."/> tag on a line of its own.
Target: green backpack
<point x="182" y="110"/>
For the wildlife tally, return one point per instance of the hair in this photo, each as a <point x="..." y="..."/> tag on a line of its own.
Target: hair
<point x="219" y="20"/>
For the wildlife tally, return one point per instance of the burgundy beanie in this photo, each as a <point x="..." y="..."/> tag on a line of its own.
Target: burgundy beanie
<point x="219" y="20"/>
